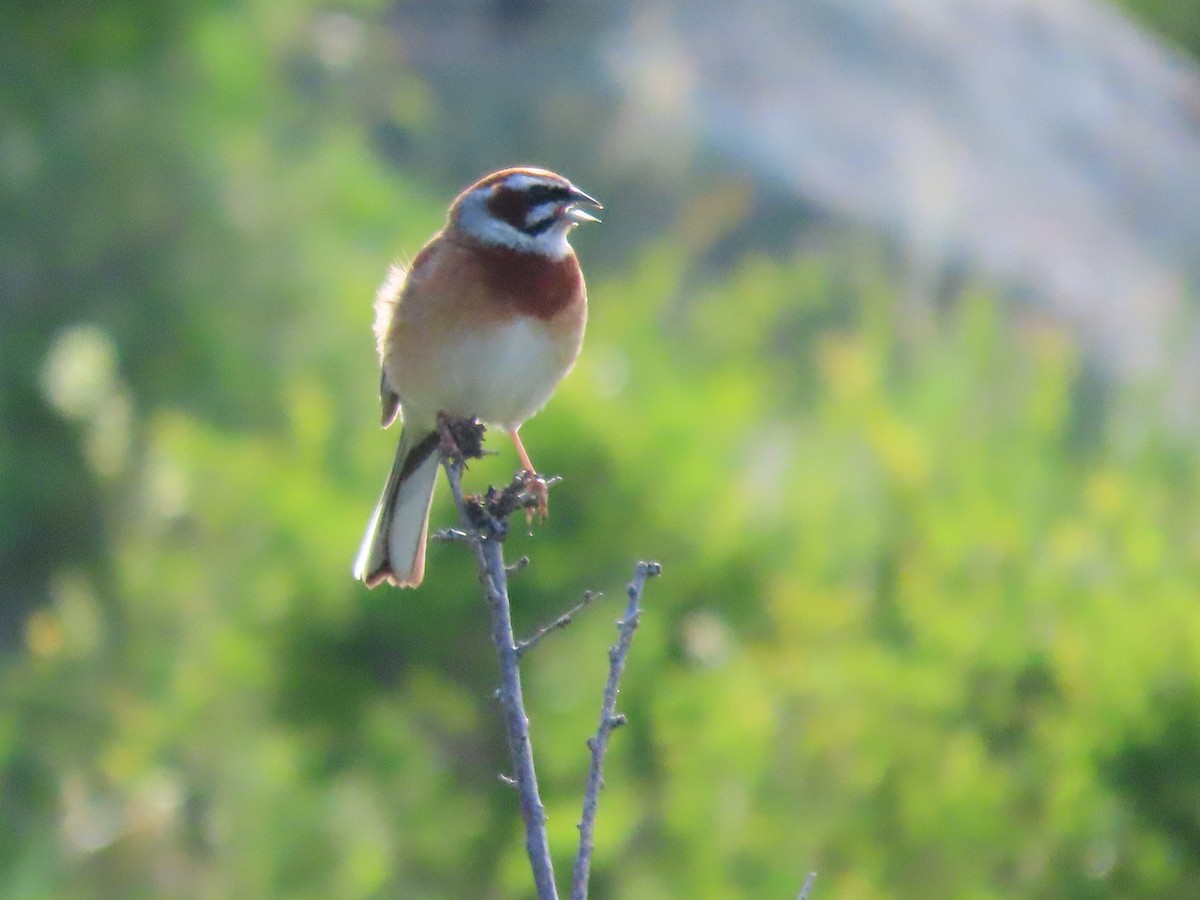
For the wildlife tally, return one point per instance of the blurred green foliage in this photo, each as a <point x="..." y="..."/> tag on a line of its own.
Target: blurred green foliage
<point x="928" y="622"/>
<point x="1179" y="23"/>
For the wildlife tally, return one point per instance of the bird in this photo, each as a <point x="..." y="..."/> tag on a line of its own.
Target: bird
<point x="484" y="324"/>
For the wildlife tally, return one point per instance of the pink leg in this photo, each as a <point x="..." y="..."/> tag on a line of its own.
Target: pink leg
<point x="516" y="438"/>
<point x="536" y="484"/>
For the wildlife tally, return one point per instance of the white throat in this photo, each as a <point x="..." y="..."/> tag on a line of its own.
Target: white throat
<point x="476" y="219"/>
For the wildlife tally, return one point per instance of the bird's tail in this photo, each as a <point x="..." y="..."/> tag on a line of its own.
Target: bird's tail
<point x="393" y="549"/>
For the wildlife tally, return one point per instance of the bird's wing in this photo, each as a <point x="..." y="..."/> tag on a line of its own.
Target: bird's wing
<point x="389" y="401"/>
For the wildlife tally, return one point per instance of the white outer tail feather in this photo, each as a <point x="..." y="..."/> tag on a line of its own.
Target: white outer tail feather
<point x="393" y="548"/>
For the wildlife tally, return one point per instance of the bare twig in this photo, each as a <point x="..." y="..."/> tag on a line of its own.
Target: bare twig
<point x="808" y="884"/>
<point x="609" y="720"/>
<point x="485" y="525"/>
<point x="452" y="536"/>
<point x="561" y="622"/>
<point x="488" y="526"/>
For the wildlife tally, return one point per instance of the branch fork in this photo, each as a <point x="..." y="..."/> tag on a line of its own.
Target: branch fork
<point x="484" y="526"/>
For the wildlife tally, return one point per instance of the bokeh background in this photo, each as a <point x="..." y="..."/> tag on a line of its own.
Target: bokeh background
<point x="893" y="363"/>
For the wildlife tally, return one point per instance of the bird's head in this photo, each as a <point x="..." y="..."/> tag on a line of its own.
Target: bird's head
<point x="525" y="209"/>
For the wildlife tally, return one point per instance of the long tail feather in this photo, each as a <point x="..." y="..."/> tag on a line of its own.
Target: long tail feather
<point x="393" y="549"/>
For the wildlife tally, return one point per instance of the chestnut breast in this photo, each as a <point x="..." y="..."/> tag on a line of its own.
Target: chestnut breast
<point x="529" y="283"/>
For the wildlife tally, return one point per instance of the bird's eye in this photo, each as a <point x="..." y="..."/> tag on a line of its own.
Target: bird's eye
<point x="546" y="193"/>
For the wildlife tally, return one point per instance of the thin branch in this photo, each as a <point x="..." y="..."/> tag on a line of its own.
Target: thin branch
<point x="808" y="884"/>
<point x="609" y="720"/>
<point x="561" y="622"/>
<point x="485" y="525"/>
<point x="488" y="523"/>
<point x="452" y="536"/>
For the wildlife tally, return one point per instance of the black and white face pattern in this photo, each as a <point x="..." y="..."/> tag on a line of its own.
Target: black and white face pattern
<point x="531" y="210"/>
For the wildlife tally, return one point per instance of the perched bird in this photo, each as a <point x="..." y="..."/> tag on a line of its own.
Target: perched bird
<point x="485" y="323"/>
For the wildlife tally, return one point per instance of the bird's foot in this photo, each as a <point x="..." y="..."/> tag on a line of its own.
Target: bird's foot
<point x="459" y="439"/>
<point x="539" y="489"/>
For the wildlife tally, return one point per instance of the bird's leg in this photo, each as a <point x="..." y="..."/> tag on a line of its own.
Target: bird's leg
<point x="535" y="483"/>
<point x="516" y="439"/>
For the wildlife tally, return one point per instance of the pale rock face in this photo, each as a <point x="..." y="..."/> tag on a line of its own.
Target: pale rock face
<point x="1054" y="147"/>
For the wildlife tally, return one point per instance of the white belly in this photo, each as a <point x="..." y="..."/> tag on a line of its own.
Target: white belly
<point x="503" y="375"/>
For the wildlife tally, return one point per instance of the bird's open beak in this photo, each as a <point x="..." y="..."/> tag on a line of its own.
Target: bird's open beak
<point x="579" y="198"/>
